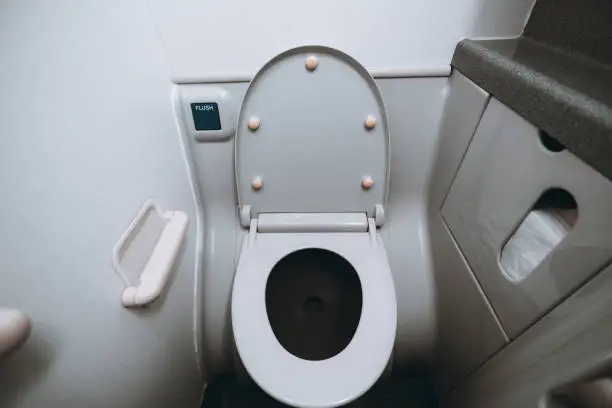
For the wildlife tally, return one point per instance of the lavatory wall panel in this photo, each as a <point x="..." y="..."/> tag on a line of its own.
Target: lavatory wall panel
<point x="231" y="40"/>
<point x="506" y="169"/>
<point x="467" y="330"/>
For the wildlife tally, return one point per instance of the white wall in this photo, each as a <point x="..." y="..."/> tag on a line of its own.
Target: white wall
<point x="87" y="134"/>
<point x="229" y="39"/>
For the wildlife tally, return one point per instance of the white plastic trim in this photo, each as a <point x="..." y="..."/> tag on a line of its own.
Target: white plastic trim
<point x="252" y="233"/>
<point x="157" y="269"/>
<point x="14" y="330"/>
<point x="372" y="232"/>
<point x="432" y="71"/>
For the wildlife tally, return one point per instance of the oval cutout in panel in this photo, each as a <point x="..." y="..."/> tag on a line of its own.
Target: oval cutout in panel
<point x="550" y="143"/>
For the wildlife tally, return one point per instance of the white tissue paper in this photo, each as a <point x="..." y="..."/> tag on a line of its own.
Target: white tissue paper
<point x="534" y="239"/>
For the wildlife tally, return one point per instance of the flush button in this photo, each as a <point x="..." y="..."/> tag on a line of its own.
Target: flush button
<point x="206" y="116"/>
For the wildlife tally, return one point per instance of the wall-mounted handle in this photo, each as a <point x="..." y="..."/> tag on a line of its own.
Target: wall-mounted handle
<point x="14" y="330"/>
<point x="146" y="252"/>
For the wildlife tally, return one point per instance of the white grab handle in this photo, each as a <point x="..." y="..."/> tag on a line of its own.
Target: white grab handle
<point x="146" y="252"/>
<point x="14" y="330"/>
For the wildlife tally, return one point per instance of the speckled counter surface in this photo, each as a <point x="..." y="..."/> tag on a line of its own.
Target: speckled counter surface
<point x="565" y="94"/>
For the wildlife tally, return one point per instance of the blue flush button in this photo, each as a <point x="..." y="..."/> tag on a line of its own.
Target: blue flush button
<point x="206" y="116"/>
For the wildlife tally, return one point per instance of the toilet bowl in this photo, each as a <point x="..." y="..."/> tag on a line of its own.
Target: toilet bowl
<point x="313" y="305"/>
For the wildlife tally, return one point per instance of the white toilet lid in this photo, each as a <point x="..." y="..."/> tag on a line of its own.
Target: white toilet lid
<point x="304" y="383"/>
<point x="312" y="149"/>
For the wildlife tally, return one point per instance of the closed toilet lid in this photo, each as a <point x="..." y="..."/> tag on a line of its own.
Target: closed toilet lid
<point x="308" y="138"/>
<point x="336" y="380"/>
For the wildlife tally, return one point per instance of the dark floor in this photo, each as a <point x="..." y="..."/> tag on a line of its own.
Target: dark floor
<point x="226" y="392"/>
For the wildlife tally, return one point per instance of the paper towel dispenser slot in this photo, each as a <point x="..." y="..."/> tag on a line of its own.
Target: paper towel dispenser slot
<point x="550" y="143"/>
<point x="550" y="219"/>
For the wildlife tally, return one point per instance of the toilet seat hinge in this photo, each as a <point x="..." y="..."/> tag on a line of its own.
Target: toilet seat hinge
<point x="245" y="216"/>
<point x="312" y="222"/>
<point x="379" y="215"/>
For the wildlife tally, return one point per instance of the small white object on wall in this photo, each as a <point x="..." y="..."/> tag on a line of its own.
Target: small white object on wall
<point x="144" y="255"/>
<point x="14" y="330"/>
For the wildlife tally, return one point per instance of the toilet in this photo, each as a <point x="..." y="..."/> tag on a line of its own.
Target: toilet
<point x="313" y="305"/>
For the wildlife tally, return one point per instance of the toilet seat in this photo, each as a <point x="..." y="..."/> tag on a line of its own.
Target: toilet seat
<point x="312" y="164"/>
<point x="304" y="383"/>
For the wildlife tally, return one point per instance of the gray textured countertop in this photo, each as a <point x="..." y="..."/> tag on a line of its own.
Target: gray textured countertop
<point x="566" y="95"/>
